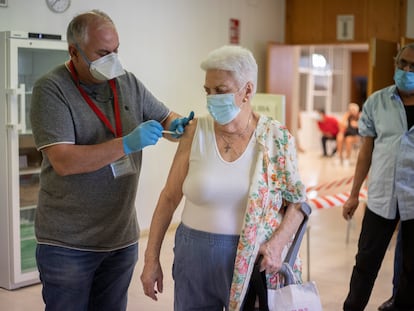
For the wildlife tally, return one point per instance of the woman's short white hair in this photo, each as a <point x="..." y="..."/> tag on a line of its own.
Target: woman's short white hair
<point x="236" y="59"/>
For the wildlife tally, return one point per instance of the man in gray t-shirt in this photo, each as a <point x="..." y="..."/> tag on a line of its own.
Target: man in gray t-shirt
<point x="90" y="120"/>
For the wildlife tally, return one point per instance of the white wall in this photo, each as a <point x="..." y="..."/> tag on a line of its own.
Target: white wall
<point x="163" y="42"/>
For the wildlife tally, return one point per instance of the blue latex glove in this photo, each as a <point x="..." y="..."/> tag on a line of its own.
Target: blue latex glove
<point x="145" y="134"/>
<point x="177" y="126"/>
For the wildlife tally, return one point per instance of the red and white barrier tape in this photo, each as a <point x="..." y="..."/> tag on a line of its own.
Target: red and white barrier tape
<point x="332" y="194"/>
<point x="332" y="184"/>
<point x="334" y="200"/>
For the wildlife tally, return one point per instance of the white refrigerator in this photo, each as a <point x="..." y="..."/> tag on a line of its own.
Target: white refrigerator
<point x="24" y="57"/>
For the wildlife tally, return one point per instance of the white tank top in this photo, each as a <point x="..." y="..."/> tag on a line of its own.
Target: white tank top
<point x="215" y="190"/>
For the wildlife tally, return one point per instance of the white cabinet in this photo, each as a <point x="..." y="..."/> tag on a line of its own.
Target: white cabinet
<point x="22" y="61"/>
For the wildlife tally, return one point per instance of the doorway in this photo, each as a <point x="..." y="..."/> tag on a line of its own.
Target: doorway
<point x="359" y="77"/>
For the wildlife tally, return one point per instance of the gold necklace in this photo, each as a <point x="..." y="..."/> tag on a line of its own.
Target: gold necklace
<point x="229" y="145"/>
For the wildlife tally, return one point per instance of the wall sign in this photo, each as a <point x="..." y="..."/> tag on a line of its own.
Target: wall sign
<point x="345" y="27"/>
<point x="234" y="31"/>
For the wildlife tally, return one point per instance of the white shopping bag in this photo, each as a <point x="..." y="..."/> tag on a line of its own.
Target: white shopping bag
<point x="294" y="297"/>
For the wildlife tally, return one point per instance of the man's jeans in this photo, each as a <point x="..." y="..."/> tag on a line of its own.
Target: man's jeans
<point x="75" y="280"/>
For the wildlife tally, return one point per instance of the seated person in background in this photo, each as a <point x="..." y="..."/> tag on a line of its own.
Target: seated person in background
<point x="329" y="128"/>
<point x="348" y="132"/>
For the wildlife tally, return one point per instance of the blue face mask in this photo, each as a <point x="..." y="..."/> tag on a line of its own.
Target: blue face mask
<point x="404" y="80"/>
<point x="222" y="107"/>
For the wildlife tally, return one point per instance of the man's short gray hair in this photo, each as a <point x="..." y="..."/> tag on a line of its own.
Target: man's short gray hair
<point x="77" y="31"/>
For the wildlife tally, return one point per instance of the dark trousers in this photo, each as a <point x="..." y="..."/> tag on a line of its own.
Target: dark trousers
<point x="404" y="295"/>
<point x="397" y="263"/>
<point x="373" y="241"/>
<point x="324" y="139"/>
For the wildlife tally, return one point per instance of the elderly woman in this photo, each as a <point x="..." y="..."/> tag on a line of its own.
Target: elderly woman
<point x="238" y="173"/>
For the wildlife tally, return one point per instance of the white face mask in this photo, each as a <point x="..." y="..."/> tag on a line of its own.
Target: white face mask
<point x="104" y="68"/>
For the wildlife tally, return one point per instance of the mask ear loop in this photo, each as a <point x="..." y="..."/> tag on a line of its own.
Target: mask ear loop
<point x="83" y="55"/>
<point x="246" y="97"/>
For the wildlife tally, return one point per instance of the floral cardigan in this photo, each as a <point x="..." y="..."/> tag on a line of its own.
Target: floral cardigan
<point x="276" y="179"/>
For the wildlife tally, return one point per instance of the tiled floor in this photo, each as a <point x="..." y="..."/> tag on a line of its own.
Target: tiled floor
<point x="331" y="258"/>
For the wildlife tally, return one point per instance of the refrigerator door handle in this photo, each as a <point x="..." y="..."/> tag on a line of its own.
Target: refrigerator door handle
<point x="17" y="108"/>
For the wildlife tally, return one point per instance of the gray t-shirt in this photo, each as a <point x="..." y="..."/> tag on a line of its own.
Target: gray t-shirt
<point x="91" y="211"/>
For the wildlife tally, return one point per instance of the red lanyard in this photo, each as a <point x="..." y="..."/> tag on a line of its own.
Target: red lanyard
<point x="96" y="109"/>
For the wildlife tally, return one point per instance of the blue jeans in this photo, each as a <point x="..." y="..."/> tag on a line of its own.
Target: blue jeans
<point x="75" y="280"/>
<point x="203" y="269"/>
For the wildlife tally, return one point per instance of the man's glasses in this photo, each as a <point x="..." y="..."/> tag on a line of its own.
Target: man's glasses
<point x="402" y="64"/>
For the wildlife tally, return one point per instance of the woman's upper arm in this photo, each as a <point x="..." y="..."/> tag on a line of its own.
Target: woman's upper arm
<point x="179" y="167"/>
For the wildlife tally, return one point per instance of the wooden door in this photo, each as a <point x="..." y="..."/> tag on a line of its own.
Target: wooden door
<point x="405" y="41"/>
<point x="381" y="64"/>
<point x="282" y="78"/>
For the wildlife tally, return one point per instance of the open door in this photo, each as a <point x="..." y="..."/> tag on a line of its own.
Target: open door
<point x="381" y="64"/>
<point x="282" y="78"/>
<point x="405" y="41"/>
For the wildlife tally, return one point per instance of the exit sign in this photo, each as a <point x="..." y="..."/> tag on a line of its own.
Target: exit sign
<point x="345" y="27"/>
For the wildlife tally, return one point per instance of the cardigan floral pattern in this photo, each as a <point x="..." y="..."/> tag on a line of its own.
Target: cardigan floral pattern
<point x="276" y="179"/>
